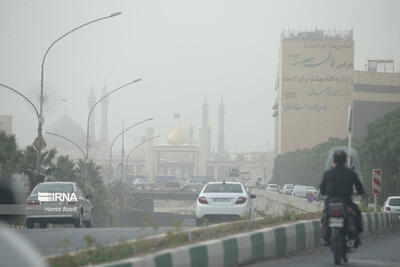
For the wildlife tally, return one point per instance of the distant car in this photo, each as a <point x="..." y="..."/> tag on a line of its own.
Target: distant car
<point x="287" y="189"/>
<point x="273" y="188"/>
<point x="192" y="182"/>
<point x="299" y="191"/>
<point x="223" y="201"/>
<point x="392" y="205"/>
<point x="250" y="184"/>
<point x="58" y="203"/>
<point x="312" y="190"/>
<point x="142" y="182"/>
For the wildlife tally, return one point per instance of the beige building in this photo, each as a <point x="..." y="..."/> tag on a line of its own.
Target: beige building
<point x="316" y="84"/>
<point x="6" y="124"/>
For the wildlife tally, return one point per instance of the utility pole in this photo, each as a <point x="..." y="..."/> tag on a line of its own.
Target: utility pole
<point x="122" y="154"/>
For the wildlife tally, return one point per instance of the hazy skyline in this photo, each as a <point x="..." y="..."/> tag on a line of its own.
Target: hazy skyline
<point x="183" y="50"/>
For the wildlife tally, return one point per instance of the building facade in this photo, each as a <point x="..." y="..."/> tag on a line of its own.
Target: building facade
<point x="316" y="84"/>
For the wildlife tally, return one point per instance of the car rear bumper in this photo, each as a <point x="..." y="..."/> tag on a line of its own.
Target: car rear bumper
<point x="52" y="212"/>
<point x="242" y="211"/>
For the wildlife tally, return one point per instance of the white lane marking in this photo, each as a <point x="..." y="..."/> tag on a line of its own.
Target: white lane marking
<point x="375" y="263"/>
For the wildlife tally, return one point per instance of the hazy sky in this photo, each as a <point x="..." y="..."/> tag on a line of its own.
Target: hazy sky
<point x="183" y="50"/>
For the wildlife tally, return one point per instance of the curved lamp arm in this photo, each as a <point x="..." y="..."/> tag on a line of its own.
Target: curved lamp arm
<point x="136" y="147"/>
<point x="69" y="140"/>
<point x="64" y="35"/>
<point x="24" y="97"/>
<point x="91" y="109"/>
<point x="124" y="131"/>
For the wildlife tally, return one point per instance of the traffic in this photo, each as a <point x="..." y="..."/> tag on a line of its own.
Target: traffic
<point x="199" y="133"/>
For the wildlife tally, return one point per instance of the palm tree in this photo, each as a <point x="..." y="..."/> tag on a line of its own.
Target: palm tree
<point x="29" y="164"/>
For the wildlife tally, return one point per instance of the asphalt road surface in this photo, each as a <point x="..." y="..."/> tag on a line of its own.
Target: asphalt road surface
<point x="378" y="250"/>
<point x="58" y="240"/>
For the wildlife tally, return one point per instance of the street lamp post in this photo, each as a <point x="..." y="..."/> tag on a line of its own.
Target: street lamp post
<point x="134" y="148"/>
<point x="123" y="150"/>
<point x="40" y="115"/>
<point x="115" y="139"/>
<point x="90" y="113"/>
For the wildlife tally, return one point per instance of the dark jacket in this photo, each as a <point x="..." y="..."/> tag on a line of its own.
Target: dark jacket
<point x="339" y="181"/>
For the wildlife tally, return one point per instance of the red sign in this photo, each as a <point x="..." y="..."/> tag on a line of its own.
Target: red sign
<point x="376" y="181"/>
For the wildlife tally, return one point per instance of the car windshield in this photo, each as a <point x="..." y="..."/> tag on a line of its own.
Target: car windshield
<point x="394" y="202"/>
<point x="223" y="188"/>
<point x="54" y="188"/>
<point x="310" y="188"/>
<point x="273" y="185"/>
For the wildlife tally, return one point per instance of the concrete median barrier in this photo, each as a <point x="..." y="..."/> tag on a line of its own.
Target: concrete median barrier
<point x="267" y="243"/>
<point x="295" y="202"/>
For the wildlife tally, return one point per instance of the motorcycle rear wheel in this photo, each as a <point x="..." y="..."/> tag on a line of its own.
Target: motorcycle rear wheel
<point x="337" y="246"/>
<point x="337" y="251"/>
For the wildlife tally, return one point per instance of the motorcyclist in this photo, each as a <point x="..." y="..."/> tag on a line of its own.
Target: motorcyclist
<point x="338" y="182"/>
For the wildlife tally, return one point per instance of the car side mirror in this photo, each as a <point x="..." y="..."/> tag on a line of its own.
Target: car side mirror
<point x="252" y="196"/>
<point x="89" y="196"/>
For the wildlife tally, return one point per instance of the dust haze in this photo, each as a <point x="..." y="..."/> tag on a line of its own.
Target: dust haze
<point x="185" y="51"/>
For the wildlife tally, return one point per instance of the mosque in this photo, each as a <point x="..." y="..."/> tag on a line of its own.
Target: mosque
<point x="181" y="157"/>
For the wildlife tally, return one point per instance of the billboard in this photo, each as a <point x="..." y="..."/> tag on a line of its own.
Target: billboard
<point x="316" y="89"/>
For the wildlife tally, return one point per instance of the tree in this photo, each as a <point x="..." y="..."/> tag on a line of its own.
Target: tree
<point x="93" y="184"/>
<point x="303" y="166"/>
<point x="64" y="170"/>
<point x="10" y="157"/>
<point x="28" y="165"/>
<point x="381" y="149"/>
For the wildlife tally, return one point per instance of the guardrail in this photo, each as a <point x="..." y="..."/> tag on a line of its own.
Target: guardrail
<point x="267" y="243"/>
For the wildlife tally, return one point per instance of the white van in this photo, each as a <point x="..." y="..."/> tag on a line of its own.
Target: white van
<point x="299" y="191"/>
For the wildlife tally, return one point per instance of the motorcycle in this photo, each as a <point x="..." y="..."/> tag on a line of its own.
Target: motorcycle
<point x="340" y="224"/>
<point x="338" y="218"/>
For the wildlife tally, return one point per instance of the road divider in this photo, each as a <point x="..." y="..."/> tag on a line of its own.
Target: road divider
<point x="295" y="202"/>
<point x="258" y="245"/>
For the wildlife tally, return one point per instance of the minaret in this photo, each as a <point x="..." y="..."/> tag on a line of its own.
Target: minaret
<point x="205" y="114"/>
<point x="104" y="119"/>
<point x="191" y="134"/>
<point x="204" y="146"/>
<point x="221" y="132"/>
<point x="91" y="102"/>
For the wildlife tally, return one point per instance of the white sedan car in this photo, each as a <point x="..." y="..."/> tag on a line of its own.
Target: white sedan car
<point x="273" y="188"/>
<point x="392" y="205"/>
<point x="223" y="201"/>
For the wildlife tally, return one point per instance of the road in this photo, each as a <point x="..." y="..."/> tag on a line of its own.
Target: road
<point x="58" y="240"/>
<point x="379" y="250"/>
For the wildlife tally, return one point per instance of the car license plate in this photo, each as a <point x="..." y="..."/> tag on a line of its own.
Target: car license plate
<point x="222" y="199"/>
<point x="336" y="222"/>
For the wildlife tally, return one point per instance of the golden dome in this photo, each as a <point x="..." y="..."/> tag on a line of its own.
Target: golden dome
<point x="178" y="137"/>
